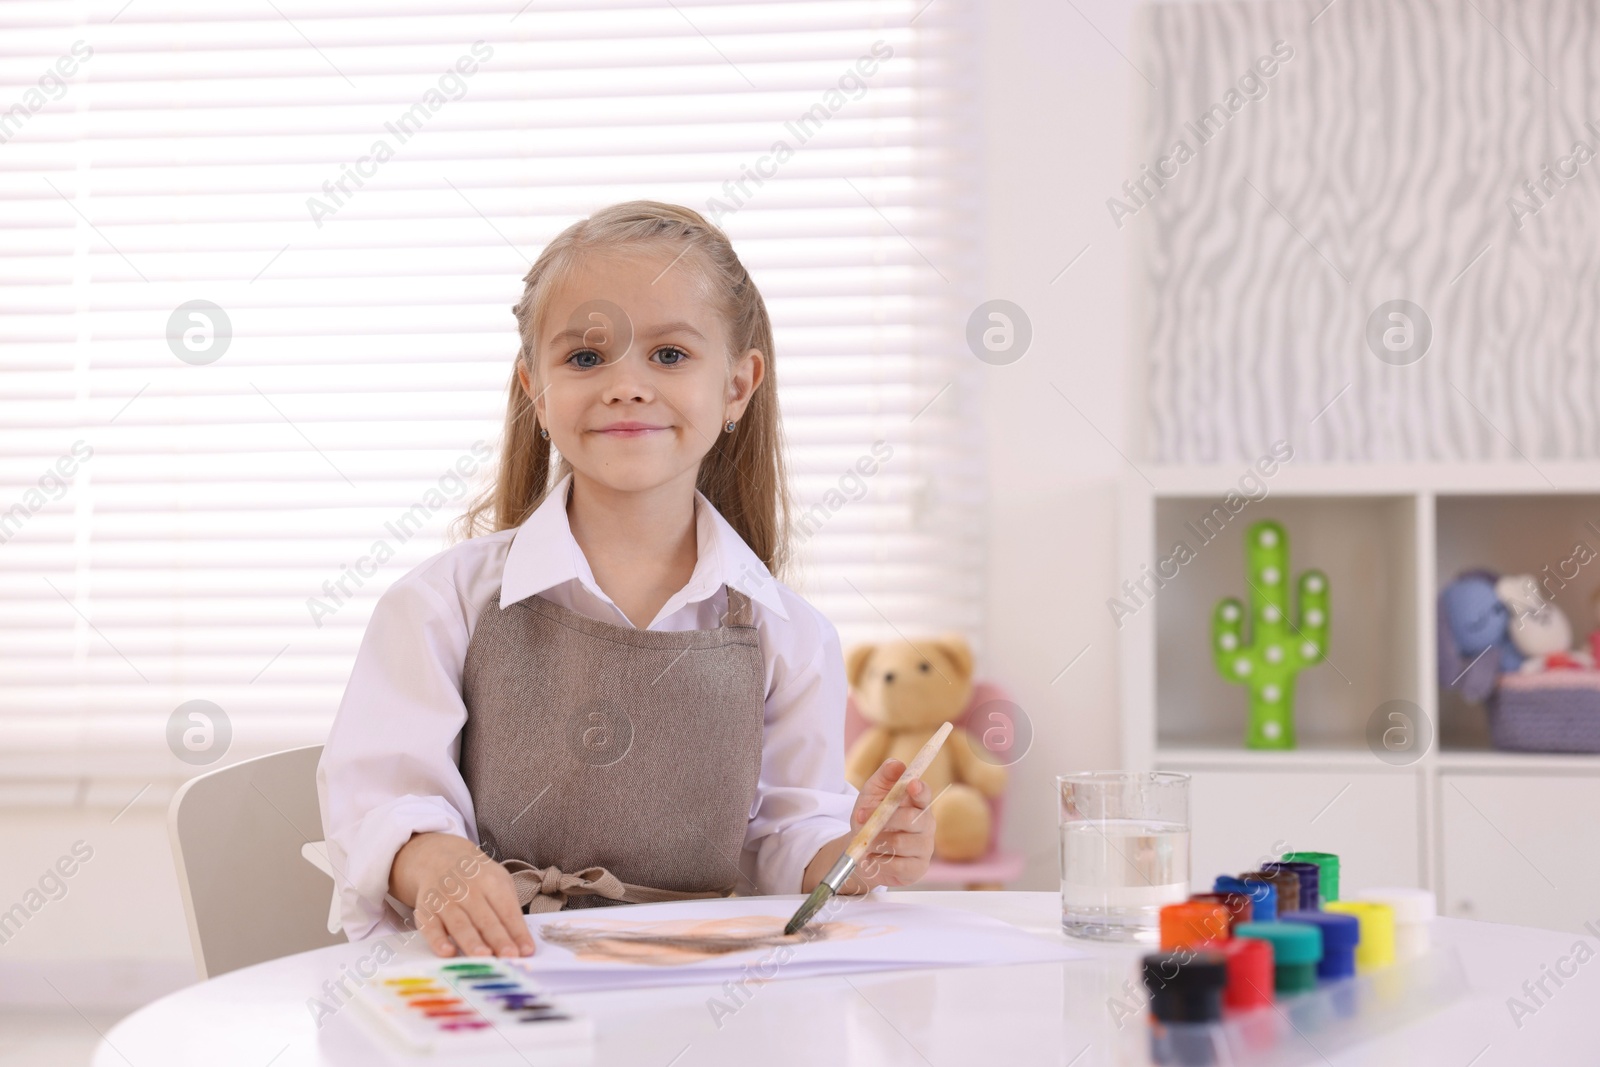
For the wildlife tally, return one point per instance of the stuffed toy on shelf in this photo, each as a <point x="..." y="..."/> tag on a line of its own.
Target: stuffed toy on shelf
<point x="1594" y="635"/>
<point x="1538" y="629"/>
<point x="1279" y="648"/>
<point x="906" y="691"/>
<point x="1475" y="629"/>
<point x="1491" y="625"/>
<point x="1504" y="647"/>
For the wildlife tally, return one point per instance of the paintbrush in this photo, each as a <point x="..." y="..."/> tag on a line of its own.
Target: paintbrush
<point x="835" y="878"/>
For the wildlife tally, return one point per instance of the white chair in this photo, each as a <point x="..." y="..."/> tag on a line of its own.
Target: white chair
<point x="250" y="888"/>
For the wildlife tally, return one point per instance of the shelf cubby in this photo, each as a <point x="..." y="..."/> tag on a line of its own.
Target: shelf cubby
<point x="1516" y="533"/>
<point x="1366" y="547"/>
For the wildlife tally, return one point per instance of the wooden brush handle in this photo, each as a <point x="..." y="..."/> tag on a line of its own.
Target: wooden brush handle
<point x="897" y="794"/>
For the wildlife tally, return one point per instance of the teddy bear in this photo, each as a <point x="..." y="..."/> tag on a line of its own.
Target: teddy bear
<point x="906" y="691"/>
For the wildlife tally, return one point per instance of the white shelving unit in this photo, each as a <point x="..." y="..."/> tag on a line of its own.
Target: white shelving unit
<point x="1503" y="836"/>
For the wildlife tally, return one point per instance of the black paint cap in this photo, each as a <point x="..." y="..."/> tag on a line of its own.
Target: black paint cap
<point x="1186" y="986"/>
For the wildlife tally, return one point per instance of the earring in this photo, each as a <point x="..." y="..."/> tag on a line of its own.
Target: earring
<point x="730" y="426"/>
<point x="544" y="433"/>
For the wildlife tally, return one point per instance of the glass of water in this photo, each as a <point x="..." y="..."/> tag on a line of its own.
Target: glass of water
<point x="1124" y="852"/>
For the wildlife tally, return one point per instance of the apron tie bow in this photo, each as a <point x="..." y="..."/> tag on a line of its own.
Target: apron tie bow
<point x="541" y="889"/>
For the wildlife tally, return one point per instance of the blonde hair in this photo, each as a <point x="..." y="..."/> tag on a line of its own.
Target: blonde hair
<point x="744" y="474"/>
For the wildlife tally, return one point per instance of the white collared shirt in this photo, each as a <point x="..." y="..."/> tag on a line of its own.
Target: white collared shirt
<point x="389" y="768"/>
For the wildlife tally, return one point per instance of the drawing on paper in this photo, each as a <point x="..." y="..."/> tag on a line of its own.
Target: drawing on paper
<point x="670" y="942"/>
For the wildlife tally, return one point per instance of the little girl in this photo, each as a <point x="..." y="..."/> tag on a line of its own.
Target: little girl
<point x="607" y="697"/>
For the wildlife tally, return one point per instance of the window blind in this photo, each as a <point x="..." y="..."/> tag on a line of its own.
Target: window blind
<point x="258" y="266"/>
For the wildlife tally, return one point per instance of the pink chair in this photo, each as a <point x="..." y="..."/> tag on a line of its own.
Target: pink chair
<point x="996" y="867"/>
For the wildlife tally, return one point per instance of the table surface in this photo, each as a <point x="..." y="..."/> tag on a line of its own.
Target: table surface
<point x="1056" y="1014"/>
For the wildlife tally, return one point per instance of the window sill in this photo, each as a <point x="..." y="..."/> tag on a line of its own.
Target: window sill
<point x="105" y="761"/>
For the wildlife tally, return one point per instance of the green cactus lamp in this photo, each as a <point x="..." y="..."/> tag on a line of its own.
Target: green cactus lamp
<point x="1279" y="649"/>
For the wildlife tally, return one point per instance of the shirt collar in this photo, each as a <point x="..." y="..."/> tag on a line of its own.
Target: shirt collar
<point x="544" y="554"/>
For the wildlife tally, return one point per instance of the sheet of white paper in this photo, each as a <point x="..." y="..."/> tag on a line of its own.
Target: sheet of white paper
<point x="710" y="941"/>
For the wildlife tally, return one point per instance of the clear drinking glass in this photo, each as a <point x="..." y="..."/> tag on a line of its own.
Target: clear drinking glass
<point x="1124" y="852"/>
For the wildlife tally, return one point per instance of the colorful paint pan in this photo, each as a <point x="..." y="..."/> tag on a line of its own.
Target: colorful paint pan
<point x="465" y="1007"/>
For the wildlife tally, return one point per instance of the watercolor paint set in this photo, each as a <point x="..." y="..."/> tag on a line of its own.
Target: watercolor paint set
<point x="464" y="1006"/>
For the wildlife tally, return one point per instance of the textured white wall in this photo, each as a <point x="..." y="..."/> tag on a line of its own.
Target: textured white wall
<point x="1384" y="150"/>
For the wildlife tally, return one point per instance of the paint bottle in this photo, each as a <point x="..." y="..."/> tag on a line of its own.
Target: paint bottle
<point x="1309" y="875"/>
<point x="1328" y="871"/>
<point x="1414" y="910"/>
<point x="1377" y="932"/>
<point x="1340" y="935"/>
<point x="1193" y="923"/>
<point x="1296" y="950"/>
<point x="1285" y="881"/>
<point x="1185" y="1004"/>
<point x="1240" y="909"/>
<point x="1250" y="979"/>
<point x="1263" y="895"/>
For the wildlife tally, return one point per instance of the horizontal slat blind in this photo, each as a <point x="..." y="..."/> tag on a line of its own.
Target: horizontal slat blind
<point x="207" y="506"/>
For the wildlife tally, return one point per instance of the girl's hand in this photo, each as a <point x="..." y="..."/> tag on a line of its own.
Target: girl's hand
<point x="459" y="895"/>
<point x="900" y="854"/>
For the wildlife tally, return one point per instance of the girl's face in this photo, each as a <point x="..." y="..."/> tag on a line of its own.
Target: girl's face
<point x="634" y="378"/>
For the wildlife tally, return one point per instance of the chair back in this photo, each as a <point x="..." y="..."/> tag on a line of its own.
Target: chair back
<point x="237" y="834"/>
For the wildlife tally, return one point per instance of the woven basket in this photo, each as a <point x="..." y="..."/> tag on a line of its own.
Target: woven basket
<point x="1551" y="711"/>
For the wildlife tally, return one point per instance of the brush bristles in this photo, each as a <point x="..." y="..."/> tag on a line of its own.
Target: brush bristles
<point x="818" y="897"/>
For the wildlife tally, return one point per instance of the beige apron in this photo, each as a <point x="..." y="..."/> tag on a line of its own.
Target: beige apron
<point x="609" y="764"/>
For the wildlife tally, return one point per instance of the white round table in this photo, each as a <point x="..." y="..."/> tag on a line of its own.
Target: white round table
<point x="1048" y="1014"/>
